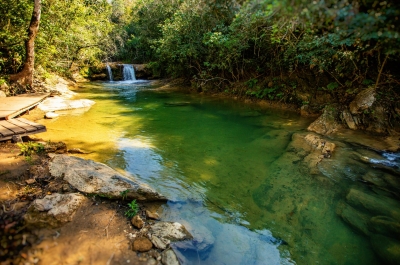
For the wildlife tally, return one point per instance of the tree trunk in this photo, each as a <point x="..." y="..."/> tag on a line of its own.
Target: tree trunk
<point x="25" y="77"/>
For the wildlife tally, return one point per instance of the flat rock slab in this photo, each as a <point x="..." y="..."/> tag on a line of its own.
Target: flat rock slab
<point x="60" y="103"/>
<point x="97" y="178"/>
<point x="53" y="210"/>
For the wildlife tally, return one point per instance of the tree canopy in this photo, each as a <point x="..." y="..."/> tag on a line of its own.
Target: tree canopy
<point x="335" y="46"/>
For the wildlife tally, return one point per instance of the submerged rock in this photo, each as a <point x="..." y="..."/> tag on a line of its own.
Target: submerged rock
<point x="385" y="226"/>
<point x="53" y="210"/>
<point x="387" y="248"/>
<point x="168" y="257"/>
<point x="381" y="206"/>
<point x="97" y="178"/>
<point x="202" y="241"/>
<point x="356" y="219"/>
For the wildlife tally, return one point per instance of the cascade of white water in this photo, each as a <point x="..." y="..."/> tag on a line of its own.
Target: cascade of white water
<point x="129" y="72"/>
<point x="110" y="76"/>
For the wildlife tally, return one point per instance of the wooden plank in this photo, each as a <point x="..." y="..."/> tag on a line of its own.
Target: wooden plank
<point x="12" y="127"/>
<point x="5" y="132"/>
<point x="25" y="126"/>
<point x="31" y="123"/>
<point x="20" y="127"/>
<point x="11" y="107"/>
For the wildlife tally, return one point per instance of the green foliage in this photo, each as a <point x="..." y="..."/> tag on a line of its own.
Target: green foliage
<point x="30" y="148"/>
<point x="124" y="194"/>
<point x="133" y="209"/>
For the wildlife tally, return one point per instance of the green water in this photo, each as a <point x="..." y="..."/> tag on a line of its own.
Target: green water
<point x="231" y="170"/>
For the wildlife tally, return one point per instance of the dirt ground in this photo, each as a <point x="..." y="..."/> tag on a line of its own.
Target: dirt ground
<point x="98" y="234"/>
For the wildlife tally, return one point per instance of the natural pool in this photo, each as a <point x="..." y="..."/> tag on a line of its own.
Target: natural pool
<point x="234" y="172"/>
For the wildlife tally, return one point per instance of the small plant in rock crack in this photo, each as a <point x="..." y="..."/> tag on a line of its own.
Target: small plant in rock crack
<point x="133" y="209"/>
<point x="124" y="194"/>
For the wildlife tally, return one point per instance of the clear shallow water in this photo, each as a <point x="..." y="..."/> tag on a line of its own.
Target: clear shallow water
<point x="231" y="171"/>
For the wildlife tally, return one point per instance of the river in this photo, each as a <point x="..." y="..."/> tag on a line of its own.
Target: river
<point x="233" y="174"/>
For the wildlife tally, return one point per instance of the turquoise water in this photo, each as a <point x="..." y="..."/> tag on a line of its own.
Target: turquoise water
<point x="234" y="173"/>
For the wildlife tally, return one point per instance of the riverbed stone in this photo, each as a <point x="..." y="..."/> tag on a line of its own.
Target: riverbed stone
<point x="53" y="210"/>
<point x="168" y="257"/>
<point x="51" y="115"/>
<point x="152" y="215"/>
<point x="380" y="206"/>
<point x="173" y="231"/>
<point x="356" y="219"/>
<point x="385" y="226"/>
<point x="387" y="248"/>
<point x="364" y="100"/>
<point x="97" y="178"/>
<point x="137" y="221"/>
<point x="142" y="244"/>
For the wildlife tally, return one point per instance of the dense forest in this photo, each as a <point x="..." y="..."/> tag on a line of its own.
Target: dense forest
<point x="264" y="49"/>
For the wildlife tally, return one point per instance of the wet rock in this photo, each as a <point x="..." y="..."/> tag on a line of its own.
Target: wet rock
<point x="354" y="218"/>
<point x="170" y="230"/>
<point x="382" y="206"/>
<point x="327" y="123"/>
<point x="317" y="143"/>
<point x="362" y="101"/>
<point x="160" y="243"/>
<point x="385" y="226"/>
<point x="348" y="118"/>
<point x="142" y="244"/>
<point x="51" y="115"/>
<point x="53" y="210"/>
<point x="97" y="178"/>
<point x="152" y="215"/>
<point x="387" y="248"/>
<point x="168" y="257"/>
<point x="137" y="222"/>
<point x="202" y="241"/>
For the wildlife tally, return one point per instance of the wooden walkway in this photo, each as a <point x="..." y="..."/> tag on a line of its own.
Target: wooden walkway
<point x="11" y="107"/>
<point x="19" y="127"/>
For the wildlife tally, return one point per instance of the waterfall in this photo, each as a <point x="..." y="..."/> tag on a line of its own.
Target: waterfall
<point x="128" y="72"/>
<point x="110" y="76"/>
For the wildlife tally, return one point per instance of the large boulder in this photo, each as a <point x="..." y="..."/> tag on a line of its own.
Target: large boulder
<point x="97" y="178"/>
<point x="53" y="210"/>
